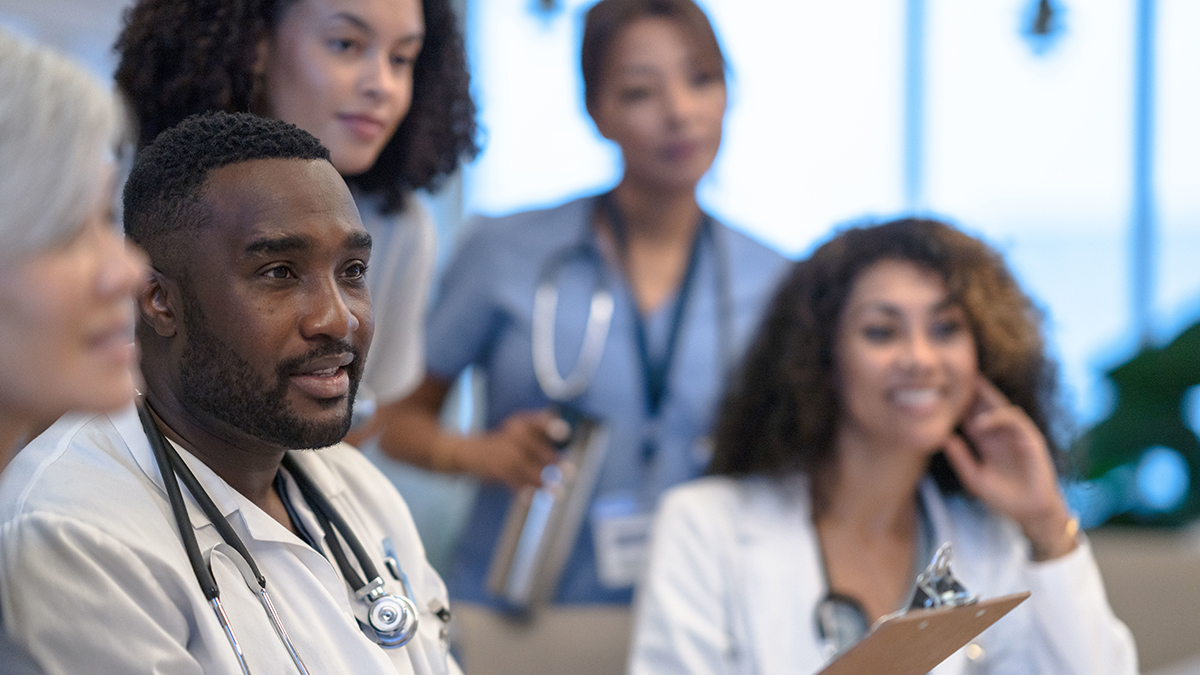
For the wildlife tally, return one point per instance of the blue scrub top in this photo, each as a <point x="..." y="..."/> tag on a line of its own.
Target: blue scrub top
<point x="483" y="314"/>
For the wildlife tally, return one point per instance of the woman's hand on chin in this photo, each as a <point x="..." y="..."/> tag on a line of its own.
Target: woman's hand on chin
<point x="1013" y="473"/>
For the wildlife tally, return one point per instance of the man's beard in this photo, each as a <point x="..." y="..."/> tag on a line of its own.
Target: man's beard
<point x="216" y="380"/>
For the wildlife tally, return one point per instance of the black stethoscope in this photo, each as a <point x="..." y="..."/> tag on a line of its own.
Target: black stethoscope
<point x="391" y="619"/>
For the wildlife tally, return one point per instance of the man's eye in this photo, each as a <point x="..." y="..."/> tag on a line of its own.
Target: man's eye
<point x="356" y="271"/>
<point x="279" y="272"/>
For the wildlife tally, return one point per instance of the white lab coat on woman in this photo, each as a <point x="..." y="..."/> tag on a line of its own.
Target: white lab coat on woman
<point x="94" y="578"/>
<point x="735" y="576"/>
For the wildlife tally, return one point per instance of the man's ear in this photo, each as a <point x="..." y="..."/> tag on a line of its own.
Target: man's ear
<point x="157" y="303"/>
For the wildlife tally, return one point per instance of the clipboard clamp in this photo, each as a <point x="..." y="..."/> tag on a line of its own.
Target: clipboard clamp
<point x="937" y="587"/>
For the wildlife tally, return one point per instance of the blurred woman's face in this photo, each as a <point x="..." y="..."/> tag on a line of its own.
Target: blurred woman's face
<point x="342" y="70"/>
<point x="905" y="359"/>
<point x="662" y="102"/>
<point x="66" y="322"/>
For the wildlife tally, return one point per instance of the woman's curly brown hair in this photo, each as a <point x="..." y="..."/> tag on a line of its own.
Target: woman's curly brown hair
<point x="780" y="415"/>
<point x="182" y="57"/>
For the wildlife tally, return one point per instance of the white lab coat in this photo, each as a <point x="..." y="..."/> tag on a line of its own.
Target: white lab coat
<point x="94" y="578"/>
<point x="735" y="576"/>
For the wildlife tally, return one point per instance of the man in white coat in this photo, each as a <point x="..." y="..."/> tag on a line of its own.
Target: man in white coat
<point x="253" y="329"/>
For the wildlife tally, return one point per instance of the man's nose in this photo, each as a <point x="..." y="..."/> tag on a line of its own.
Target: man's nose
<point x="331" y="313"/>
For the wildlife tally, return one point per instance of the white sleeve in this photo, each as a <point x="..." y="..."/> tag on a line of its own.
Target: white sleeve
<point x="403" y="269"/>
<point x="79" y="601"/>
<point x="1075" y="629"/>
<point x="682" y="621"/>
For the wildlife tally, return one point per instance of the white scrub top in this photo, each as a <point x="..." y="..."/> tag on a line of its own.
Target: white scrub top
<point x="403" y="249"/>
<point x="94" y="578"/>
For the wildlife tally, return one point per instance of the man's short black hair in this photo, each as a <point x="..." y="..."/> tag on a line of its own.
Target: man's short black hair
<point x="162" y="195"/>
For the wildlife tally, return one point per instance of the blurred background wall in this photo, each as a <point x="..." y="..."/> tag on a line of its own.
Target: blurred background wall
<point x="1066" y="132"/>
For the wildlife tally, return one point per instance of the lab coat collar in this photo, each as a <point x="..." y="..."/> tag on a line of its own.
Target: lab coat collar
<point x="939" y="516"/>
<point x="129" y="425"/>
<point x="330" y="484"/>
<point x="775" y="502"/>
<point x="229" y="501"/>
<point x="777" y="546"/>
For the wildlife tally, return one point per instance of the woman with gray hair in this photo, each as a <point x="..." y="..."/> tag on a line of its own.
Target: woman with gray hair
<point x="66" y="277"/>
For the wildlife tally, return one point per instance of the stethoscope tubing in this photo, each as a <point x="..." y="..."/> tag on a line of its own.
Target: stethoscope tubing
<point x="595" y="333"/>
<point x="207" y="583"/>
<point x="170" y="463"/>
<point x="602" y="306"/>
<point x="330" y="514"/>
<point x="223" y="619"/>
<point x="174" y="469"/>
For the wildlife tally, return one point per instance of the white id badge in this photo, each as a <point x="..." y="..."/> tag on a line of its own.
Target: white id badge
<point x="621" y="537"/>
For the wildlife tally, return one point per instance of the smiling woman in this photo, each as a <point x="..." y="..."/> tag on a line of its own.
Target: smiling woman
<point x="896" y="397"/>
<point x="66" y="278"/>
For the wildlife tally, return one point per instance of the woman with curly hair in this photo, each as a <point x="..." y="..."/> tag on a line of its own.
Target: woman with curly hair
<point x="382" y="83"/>
<point x="897" y="396"/>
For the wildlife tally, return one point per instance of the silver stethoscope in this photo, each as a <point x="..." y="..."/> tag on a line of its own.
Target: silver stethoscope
<point x="600" y="313"/>
<point x="545" y="309"/>
<point x="391" y="619"/>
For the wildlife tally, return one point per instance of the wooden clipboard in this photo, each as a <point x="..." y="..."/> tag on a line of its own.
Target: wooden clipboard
<point x="915" y="642"/>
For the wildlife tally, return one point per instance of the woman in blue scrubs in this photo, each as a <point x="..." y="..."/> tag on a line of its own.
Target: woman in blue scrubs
<point x="687" y="291"/>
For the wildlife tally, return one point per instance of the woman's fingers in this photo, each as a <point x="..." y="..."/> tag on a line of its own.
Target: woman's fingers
<point x="1011" y="469"/>
<point x="990" y="393"/>
<point x="963" y="462"/>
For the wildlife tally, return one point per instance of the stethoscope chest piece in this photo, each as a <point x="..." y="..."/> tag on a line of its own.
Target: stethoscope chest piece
<point x="391" y="619"/>
<point x="394" y="620"/>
